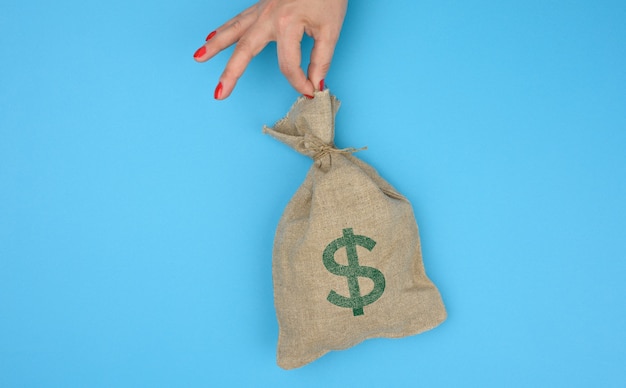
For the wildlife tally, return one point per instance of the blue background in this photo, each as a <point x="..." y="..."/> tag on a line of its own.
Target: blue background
<point x="137" y="214"/>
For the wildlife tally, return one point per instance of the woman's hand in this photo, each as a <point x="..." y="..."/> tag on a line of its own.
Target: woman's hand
<point x="283" y="21"/>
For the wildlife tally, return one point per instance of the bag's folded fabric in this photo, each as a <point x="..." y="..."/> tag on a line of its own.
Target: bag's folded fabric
<point x="347" y="262"/>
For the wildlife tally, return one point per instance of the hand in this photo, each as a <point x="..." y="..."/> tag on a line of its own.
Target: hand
<point x="285" y="22"/>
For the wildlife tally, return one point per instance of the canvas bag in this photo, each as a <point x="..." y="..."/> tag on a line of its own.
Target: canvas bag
<point x="347" y="262"/>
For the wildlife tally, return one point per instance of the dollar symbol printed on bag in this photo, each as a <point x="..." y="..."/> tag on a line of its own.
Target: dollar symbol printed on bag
<point x="353" y="271"/>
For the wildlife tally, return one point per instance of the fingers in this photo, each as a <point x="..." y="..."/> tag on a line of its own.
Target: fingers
<point x="226" y="35"/>
<point x="289" y="60"/>
<point x="248" y="46"/>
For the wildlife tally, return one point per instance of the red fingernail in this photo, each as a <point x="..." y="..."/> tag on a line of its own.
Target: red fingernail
<point x="218" y="91"/>
<point x="321" y="85"/>
<point x="309" y="97"/>
<point x="212" y="34"/>
<point x="200" y="52"/>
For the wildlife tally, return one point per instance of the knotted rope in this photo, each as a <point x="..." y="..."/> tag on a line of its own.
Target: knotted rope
<point x="317" y="149"/>
<point x="326" y="149"/>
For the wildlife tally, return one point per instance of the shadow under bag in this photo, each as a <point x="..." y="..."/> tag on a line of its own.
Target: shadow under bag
<point x="347" y="262"/>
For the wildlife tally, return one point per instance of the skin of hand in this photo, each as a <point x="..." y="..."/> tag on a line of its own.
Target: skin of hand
<point x="285" y="22"/>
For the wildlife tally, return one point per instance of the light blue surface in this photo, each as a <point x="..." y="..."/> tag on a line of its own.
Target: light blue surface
<point x="137" y="214"/>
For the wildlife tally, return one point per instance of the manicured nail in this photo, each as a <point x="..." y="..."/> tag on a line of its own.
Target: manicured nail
<point x="321" y="85"/>
<point x="212" y="34"/>
<point x="309" y="97"/>
<point x="218" y="91"/>
<point x="200" y="52"/>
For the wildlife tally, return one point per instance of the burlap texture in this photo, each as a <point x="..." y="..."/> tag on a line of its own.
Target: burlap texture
<point x="344" y="218"/>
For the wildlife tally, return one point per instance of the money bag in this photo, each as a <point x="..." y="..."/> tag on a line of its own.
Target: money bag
<point x="347" y="262"/>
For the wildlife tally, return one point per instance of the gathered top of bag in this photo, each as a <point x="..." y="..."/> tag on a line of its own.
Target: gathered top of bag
<point x="309" y="128"/>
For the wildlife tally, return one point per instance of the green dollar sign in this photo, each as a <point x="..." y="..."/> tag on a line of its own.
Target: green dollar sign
<point x="352" y="271"/>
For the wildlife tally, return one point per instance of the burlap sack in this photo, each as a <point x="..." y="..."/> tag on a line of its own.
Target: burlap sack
<point x="347" y="261"/>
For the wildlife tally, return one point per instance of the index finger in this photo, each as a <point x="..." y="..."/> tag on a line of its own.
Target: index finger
<point x="321" y="56"/>
<point x="289" y="60"/>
